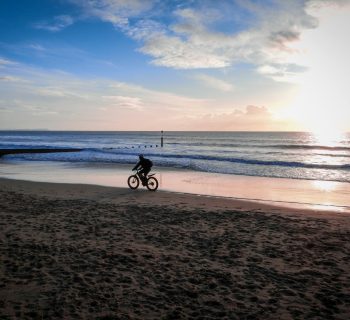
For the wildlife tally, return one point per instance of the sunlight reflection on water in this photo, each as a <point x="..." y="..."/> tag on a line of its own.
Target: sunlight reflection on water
<point x="329" y="138"/>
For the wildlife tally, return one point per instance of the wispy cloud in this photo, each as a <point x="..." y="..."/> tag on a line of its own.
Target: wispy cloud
<point x="11" y="79"/>
<point x="37" y="47"/>
<point x="248" y="119"/>
<point x="58" y="23"/>
<point x="66" y="101"/>
<point x="6" y="62"/>
<point x="285" y="72"/>
<point x="160" y="102"/>
<point x="56" y="92"/>
<point x="133" y="103"/>
<point x="117" y="12"/>
<point x="214" y="83"/>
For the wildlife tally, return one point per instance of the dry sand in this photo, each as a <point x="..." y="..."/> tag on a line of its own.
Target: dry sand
<point x="80" y="251"/>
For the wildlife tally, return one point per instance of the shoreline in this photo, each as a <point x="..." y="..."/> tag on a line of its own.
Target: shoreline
<point x="78" y="191"/>
<point x="299" y="194"/>
<point x="85" y="251"/>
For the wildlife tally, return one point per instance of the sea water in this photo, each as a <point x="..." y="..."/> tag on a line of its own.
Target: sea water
<point x="296" y="155"/>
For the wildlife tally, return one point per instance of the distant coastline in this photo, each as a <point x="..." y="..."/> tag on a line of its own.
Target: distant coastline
<point x="46" y="150"/>
<point x="25" y="130"/>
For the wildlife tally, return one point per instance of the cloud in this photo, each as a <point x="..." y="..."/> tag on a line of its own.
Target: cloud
<point x="6" y="62"/>
<point x="58" y="23"/>
<point x="214" y="83"/>
<point x="19" y="107"/>
<point x="199" y="35"/>
<point x="178" y="54"/>
<point x="68" y="102"/>
<point x="285" y="72"/>
<point x="196" y="44"/>
<point x="37" y="47"/>
<point x="159" y="100"/>
<point x="134" y="103"/>
<point x="11" y="79"/>
<point x="51" y="92"/>
<point x="35" y="109"/>
<point x="117" y="12"/>
<point x="251" y="118"/>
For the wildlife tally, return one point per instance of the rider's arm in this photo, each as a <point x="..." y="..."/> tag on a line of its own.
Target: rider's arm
<point x="137" y="165"/>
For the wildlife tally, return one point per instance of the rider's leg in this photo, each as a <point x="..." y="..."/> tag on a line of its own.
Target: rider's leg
<point x="143" y="176"/>
<point x="146" y="171"/>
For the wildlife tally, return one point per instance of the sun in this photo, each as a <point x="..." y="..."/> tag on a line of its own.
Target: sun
<point x="322" y="102"/>
<point x="320" y="106"/>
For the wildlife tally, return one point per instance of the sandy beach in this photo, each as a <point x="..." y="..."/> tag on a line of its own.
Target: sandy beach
<point x="72" y="251"/>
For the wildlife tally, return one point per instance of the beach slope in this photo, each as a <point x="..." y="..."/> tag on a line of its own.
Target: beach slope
<point x="81" y="251"/>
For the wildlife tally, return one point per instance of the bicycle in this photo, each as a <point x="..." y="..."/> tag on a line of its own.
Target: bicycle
<point x="151" y="182"/>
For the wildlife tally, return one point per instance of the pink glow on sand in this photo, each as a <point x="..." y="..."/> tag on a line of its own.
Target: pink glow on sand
<point x="318" y="195"/>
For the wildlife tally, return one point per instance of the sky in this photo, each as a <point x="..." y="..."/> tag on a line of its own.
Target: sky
<point x="232" y="65"/>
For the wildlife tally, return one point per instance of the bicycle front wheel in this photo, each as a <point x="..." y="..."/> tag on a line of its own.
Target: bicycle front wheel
<point x="133" y="182"/>
<point x="152" y="184"/>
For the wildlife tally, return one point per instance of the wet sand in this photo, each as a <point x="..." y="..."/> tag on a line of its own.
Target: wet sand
<point x="309" y="194"/>
<point x="72" y="251"/>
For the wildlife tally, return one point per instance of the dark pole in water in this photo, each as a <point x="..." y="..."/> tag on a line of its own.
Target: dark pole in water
<point x="161" y="139"/>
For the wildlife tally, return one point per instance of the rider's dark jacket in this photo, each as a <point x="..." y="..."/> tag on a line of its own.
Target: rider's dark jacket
<point x="144" y="163"/>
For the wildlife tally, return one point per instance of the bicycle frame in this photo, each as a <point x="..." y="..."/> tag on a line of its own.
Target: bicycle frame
<point x="139" y="174"/>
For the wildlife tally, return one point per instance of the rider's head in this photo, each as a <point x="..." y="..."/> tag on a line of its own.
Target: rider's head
<point x="141" y="156"/>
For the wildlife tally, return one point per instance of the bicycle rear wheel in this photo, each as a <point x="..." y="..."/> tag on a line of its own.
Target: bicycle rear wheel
<point x="152" y="184"/>
<point x="133" y="182"/>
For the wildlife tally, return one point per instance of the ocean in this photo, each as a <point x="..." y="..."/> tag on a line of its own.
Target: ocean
<point x="296" y="155"/>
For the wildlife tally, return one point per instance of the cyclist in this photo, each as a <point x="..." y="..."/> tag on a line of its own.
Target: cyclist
<point x="146" y="166"/>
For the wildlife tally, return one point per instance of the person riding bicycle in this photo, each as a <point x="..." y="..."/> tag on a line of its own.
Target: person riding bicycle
<point x="146" y="166"/>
